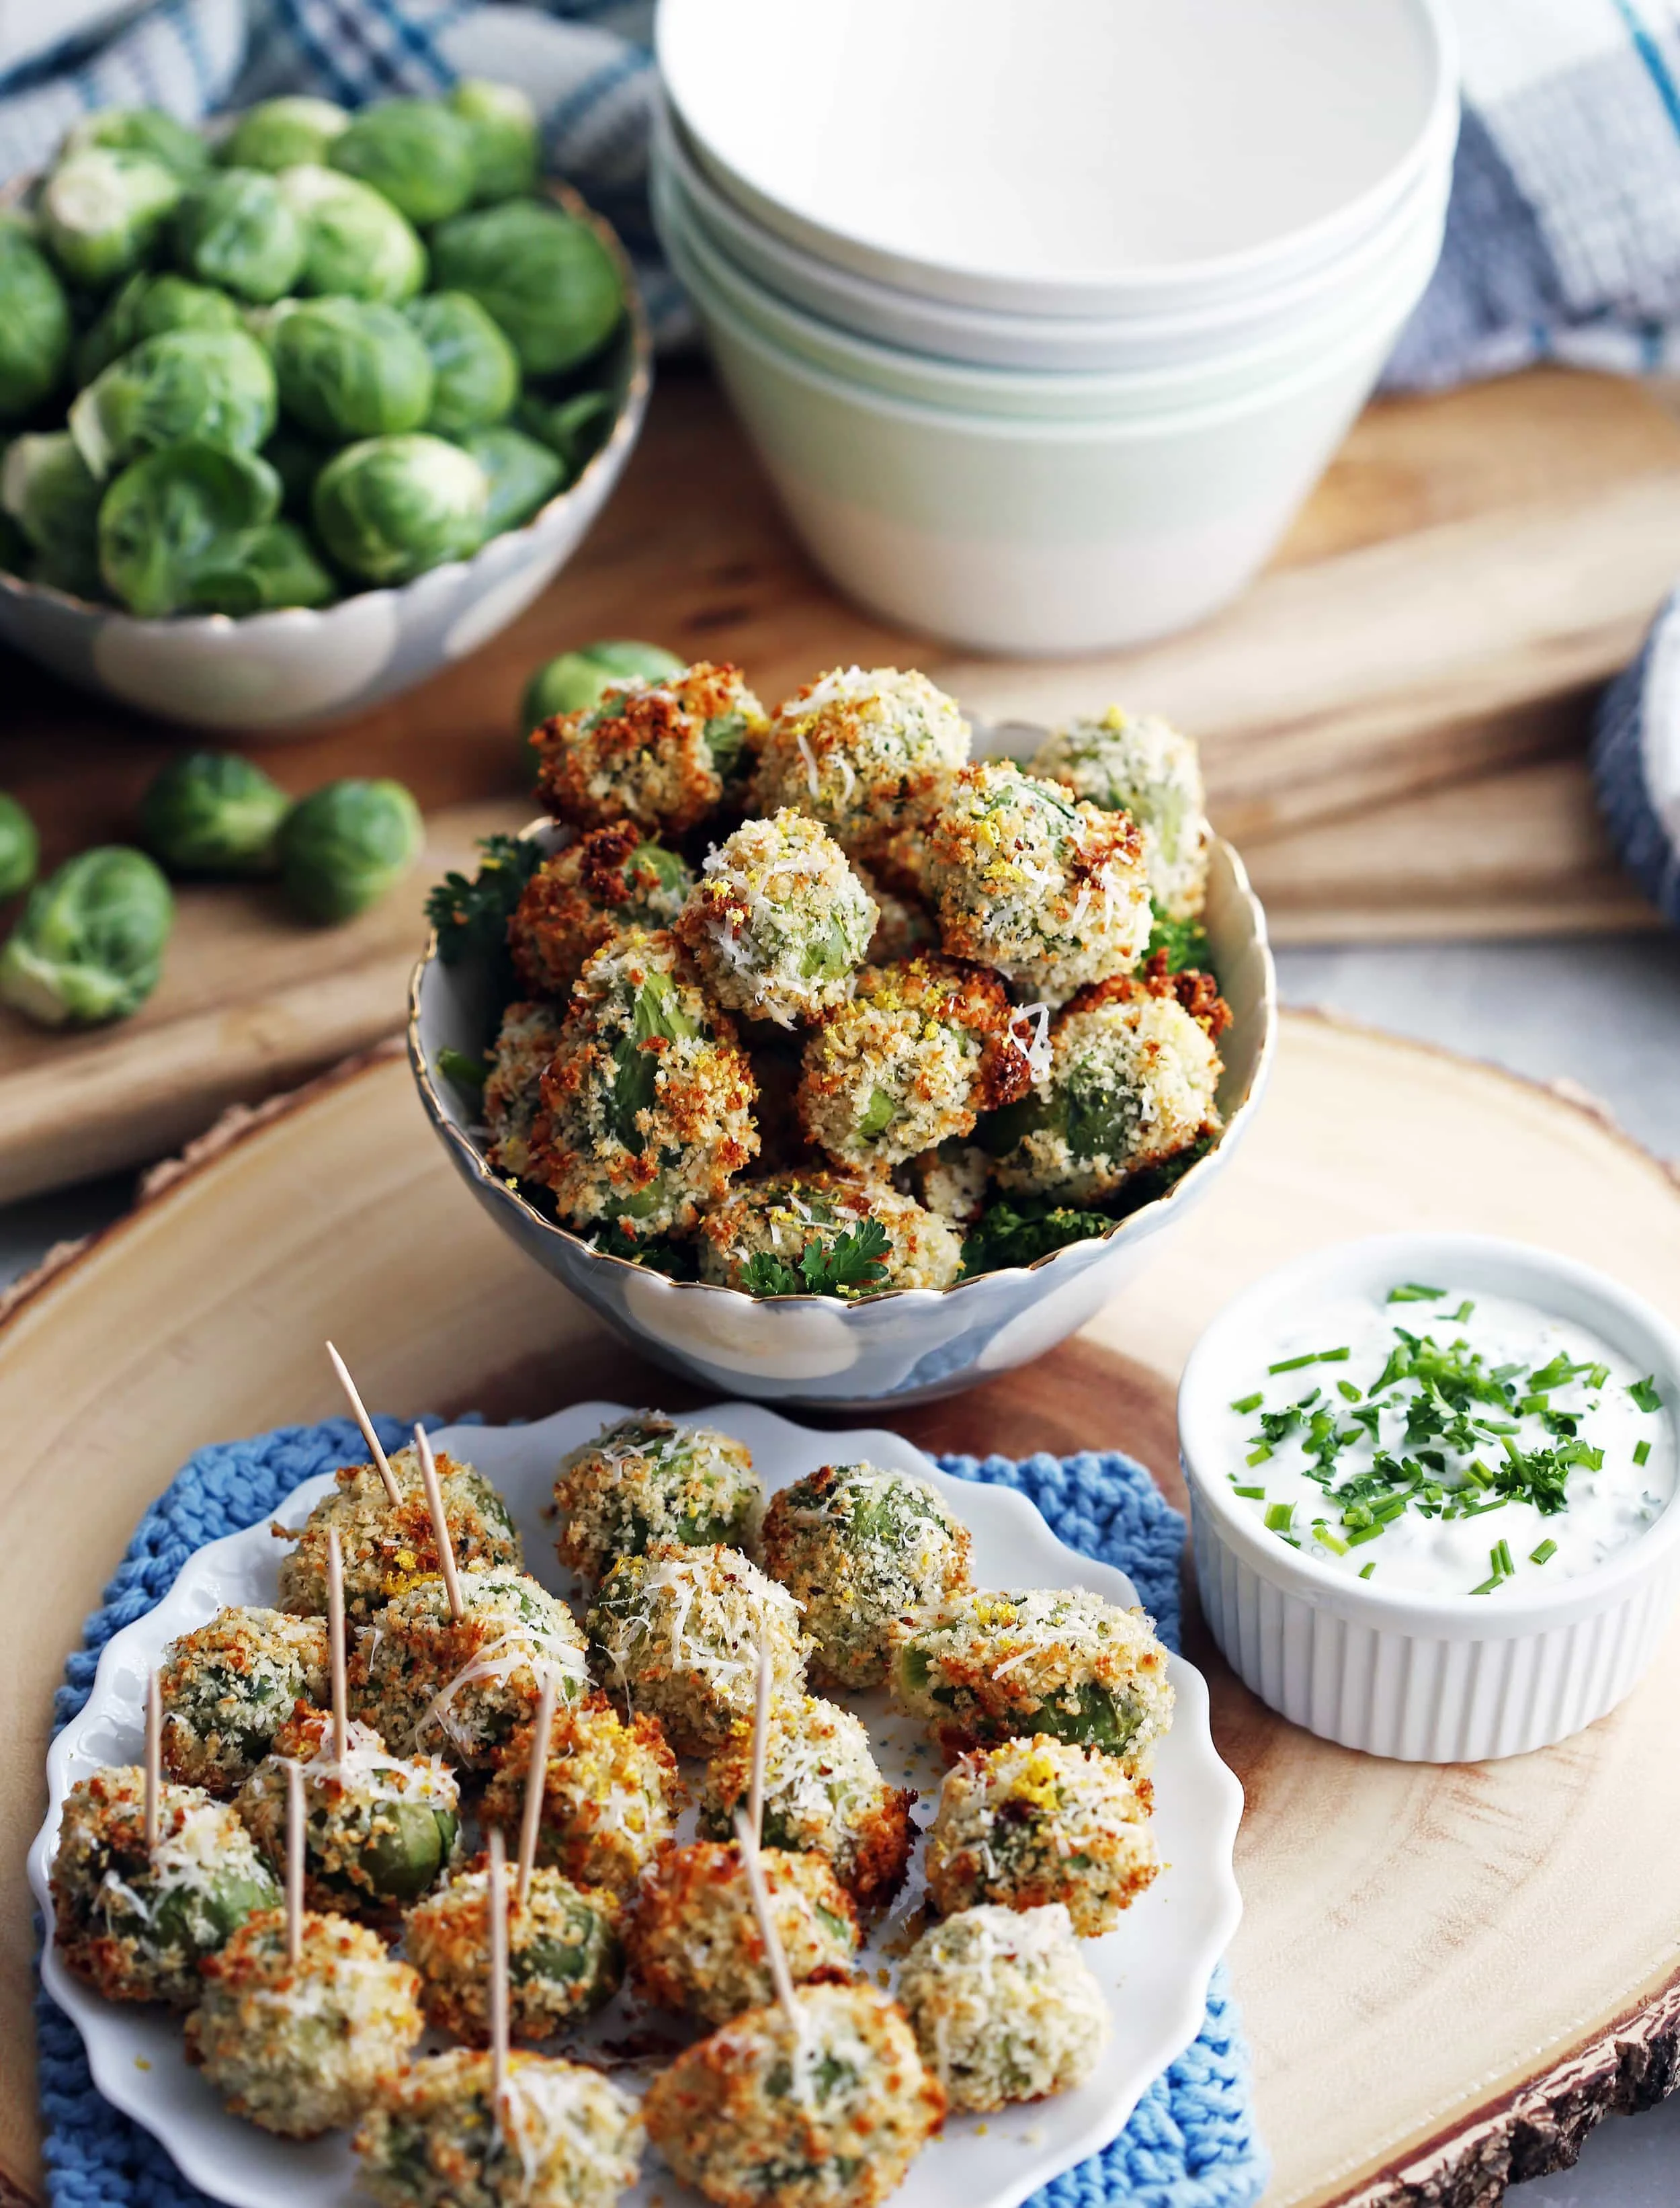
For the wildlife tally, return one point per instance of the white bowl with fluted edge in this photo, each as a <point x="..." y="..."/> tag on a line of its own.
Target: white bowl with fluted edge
<point x="1448" y="1679"/>
<point x="280" y="673"/>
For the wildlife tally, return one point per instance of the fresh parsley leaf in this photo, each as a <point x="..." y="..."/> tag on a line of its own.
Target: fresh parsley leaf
<point x="677" y="1260"/>
<point x="849" y="1266"/>
<point x="471" y="917"/>
<point x="767" y="1274"/>
<point x="1022" y="1231"/>
<point x="468" y="1073"/>
<point x="1184" y="942"/>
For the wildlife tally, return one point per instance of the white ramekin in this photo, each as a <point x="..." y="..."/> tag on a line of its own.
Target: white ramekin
<point x="1428" y="1679"/>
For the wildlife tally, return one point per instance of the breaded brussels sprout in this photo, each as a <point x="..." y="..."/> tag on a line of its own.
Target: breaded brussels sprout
<point x="136" y="1925"/>
<point x="1024" y="878"/>
<point x="806" y="1233"/>
<point x="564" y="2138"/>
<point x="950" y="1181"/>
<point x="646" y="1479"/>
<point x="610" y="1794"/>
<point x="528" y="1039"/>
<point x="659" y="753"/>
<point x="680" y="1630"/>
<point x="994" y="1666"/>
<point x="828" y="2114"/>
<point x="857" y="1548"/>
<point x="384" y="1549"/>
<point x="904" y="925"/>
<point x="1131" y="1084"/>
<point x="1003" y="2006"/>
<point x="585" y="897"/>
<point x="695" y="1941"/>
<point x="565" y="1955"/>
<point x="865" y="754"/>
<point x="302" y="2048"/>
<point x="824" y="1794"/>
<point x="1140" y="765"/>
<point x="379" y="1829"/>
<point x="648" y="1099"/>
<point x="922" y="1048"/>
<point x="1034" y="1821"/>
<point x="228" y="1687"/>
<point x="778" y="922"/>
<point x="424" y="1679"/>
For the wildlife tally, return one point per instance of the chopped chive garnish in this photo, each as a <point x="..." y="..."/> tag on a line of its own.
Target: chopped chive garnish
<point x="1323" y="1533"/>
<point x="1597" y="1375"/>
<point x="1546" y="1551"/>
<point x="1312" y="1357"/>
<point x="1487" y="1585"/>
<point x="1365" y="1570"/>
<point x="1502" y="1557"/>
<point x="1410" y="1292"/>
<point x="1278" y="1515"/>
<point x="1463" y="1311"/>
<point x="1259" y="1455"/>
<point x="1245" y="1404"/>
<point x="1253" y="1494"/>
<point x="1359" y="1534"/>
<point x="1641" y="1452"/>
<point x="1644" y="1393"/>
<point x="1349" y="1391"/>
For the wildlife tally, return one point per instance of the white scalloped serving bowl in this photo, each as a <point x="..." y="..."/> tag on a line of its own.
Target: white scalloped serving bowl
<point x="1154" y="1971"/>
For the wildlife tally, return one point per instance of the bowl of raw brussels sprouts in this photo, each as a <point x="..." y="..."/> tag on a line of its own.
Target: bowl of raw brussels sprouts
<point x="295" y="412"/>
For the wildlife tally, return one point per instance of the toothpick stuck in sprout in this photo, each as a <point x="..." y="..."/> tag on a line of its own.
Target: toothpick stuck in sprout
<point x="445" y="1548"/>
<point x="781" y="1976"/>
<point x="755" y="1800"/>
<point x="154" y="1757"/>
<point x="535" y="1782"/>
<point x="335" y="1636"/>
<point x="496" y="1900"/>
<point x="294" y="1862"/>
<point x="359" y="1413"/>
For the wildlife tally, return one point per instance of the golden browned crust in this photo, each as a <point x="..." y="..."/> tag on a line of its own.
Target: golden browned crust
<point x="566" y="910"/>
<point x="646" y="760"/>
<point x="601" y="1831"/>
<point x="695" y="1941"/>
<point x="1197" y="993"/>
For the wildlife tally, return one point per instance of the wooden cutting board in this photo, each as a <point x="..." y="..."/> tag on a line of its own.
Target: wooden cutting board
<point x="1447" y="1974"/>
<point x="1393" y="721"/>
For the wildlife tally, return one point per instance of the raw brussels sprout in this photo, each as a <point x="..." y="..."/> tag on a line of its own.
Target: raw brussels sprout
<point x="296" y="459"/>
<point x="177" y="526"/>
<point x="238" y="230"/>
<point x="543" y="275"/>
<point x="349" y="367"/>
<point x="90" y="944"/>
<point x="522" y="475"/>
<point x="147" y="130"/>
<point x="279" y="134"/>
<point x="14" y="546"/>
<point x="213" y="812"/>
<point x="20" y="848"/>
<point x="475" y="372"/>
<point x="46" y="488"/>
<point x="503" y="124"/>
<point x="35" y="326"/>
<point x="276" y="566"/>
<point x="390" y="508"/>
<point x="576" y="679"/>
<point x="214" y="386"/>
<point x="415" y="152"/>
<point x="100" y="210"/>
<point x="146" y="307"/>
<point x="357" y="244"/>
<point x="575" y="428"/>
<point x="344" y="845"/>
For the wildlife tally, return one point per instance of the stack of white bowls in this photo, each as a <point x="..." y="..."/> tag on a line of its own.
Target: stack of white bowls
<point x="1045" y="315"/>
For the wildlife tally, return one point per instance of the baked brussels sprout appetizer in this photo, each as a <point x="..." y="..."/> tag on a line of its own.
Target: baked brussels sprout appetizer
<point x="284" y="132"/>
<point x="607" y="882"/>
<point x="694" y="1940"/>
<point x="659" y="753"/>
<point x="35" y="326"/>
<point x="356" y="244"/>
<point x="90" y="944"/>
<point x="527" y="1040"/>
<point x="20" y="848"/>
<point x="610" y="1794"/>
<point x="864" y="753"/>
<point x="148" y="306"/>
<point x="522" y="475"/>
<point x="48" y="490"/>
<point x="1141" y="766"/>
<point x="646" y="1479"/>
<point x="564" y="1954"/>
<point x="416" y="153"/>
<point x="778" y="923"/>
<point x="502" y="125"/>
<point x="807" y="1233"/>
<point x="213" y="812"/>
<point x="545" y="276"/>
<point x="385" y="1549"/>
<point x="206" y="386"/>
<point x="177" y="528"/>
<point x="348" y="368"/>
<point x="342" y="847"/>
<point x="390" y="508"/>
<point x="149" y="130"/>
<point x="572" y="681"/>
<point x="237" y="228"/>
<point x="1003" y="2006"/>
<point x="475" y="371"/>
<point x="952" y="1181"/>
<point x="227" y="1687"/>
<point x="100" y="212"/>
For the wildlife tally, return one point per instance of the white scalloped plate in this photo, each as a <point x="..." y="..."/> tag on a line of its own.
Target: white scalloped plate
<point x="1154" y="1969"/>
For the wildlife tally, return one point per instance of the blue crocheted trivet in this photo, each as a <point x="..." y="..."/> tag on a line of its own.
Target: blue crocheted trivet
<point x="1191" y="2141"/>
<point x="1637" y="763"/>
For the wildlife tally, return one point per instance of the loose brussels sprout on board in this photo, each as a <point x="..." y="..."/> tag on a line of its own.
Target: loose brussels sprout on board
<point x="237" y="228"/>
<point x="20" y="848"/>
<point x="99" y="212"/>
<point x="475" y="372"/>
<point x="576" y="680"/>
<point x="213" y="386"/>
<point x="89" y="947"/>
<point x="505" y="146"/>
<point x="35" y="326"/>
<point x="343" y="846"/>
<point x="545" y="276"/>
<point x="147" y="130"/>
<point x="349" y="367"/>
<point x="213" y="812"/>
<point x="357" y="244"/>
<point x="415" y="152"/>
<point x="390" y="508"/>
<point x="522" y="475"/>
<point x="281" y="133"/>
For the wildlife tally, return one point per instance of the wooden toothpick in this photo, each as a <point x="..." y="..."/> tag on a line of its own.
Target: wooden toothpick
<point x="535" y="1784"/>
<point x="445" y="1550"/>
<point x="755" y="1800"/>
<point x="154" y="1759"/>
<point x="497" y="1896"/>
<point x="335" y="1636"/>
<point x="781" y="1977"/>
<point x="359" y="1413"/>
<point x="294" y="1862"/>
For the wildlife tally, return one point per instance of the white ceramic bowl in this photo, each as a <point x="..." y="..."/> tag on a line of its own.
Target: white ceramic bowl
<point x="1440" y="1679"/>
<point x="1097" y="158"/>
<point x="275" y="672"/>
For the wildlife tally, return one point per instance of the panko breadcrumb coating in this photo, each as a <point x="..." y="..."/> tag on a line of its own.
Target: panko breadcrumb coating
<point x="991" y="1667"/>
<point x="610" y="1794"/>
<point x="608" y="880"/>
<point x="784" y="1214"/>
<point x="828" y="2114"/>
<point x="858" y="1549"/>
<point x="1003" y="2006"/>
<point x="950" y="1181"/>
<point x="778" y="922"/>
<point x="228" y="1687"/>
<point x="659" y="753"/>
<point x="1132" y="1085"/>
<point x="1039" y="1820"/>
<point x="647" y="1101"/>
<point x="694" y="1940"/>
<point x="1024" y="878"/>
<point x="903" y="925"/>
<point x="567" y="2138"/>
<point x="564" y="1954"/>
<point x="136" y="1927"/>
<point x="865" y="752"/>
<point x="824" y="1794"/>
<point x="1139" y="765"/>
<point x="646" y="1479"/>
<point x="679" y="1632"/>
<point x="527" y="1039"/>
<point x="920" y="1050"/>
<point x="386" y="1551"/>
<point x="301" y="2049"/>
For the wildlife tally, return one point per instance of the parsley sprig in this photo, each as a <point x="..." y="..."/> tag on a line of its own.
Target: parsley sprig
<point x="470" y="915"/>
<point x="849" y="1266"/>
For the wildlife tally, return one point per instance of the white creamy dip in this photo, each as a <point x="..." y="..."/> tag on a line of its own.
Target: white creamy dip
<point x="1467" y="1495"/>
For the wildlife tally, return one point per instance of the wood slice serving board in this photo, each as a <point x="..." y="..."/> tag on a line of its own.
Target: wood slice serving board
<point x="1446" y="1974"/>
